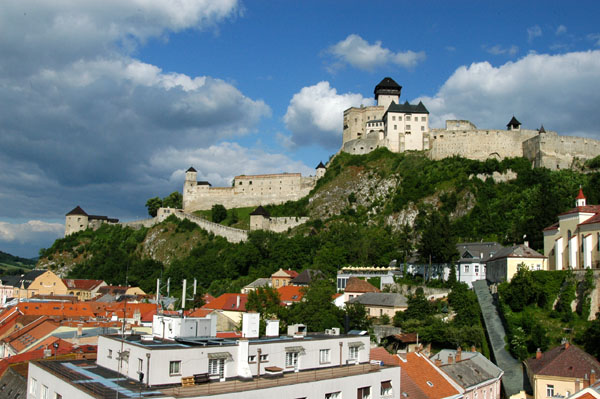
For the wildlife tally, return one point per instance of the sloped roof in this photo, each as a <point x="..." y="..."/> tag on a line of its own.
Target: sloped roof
<point x="387" y="86"/>
<point x="28" y="335"/>
<point x="564" y="361"/>
<point x="260" y="211"/>
<point x="290" y="293"/>
<point x="582" y="209"/>
<point x="387" y="299"/>
<point x="77" y="211"/>
<point x="284" y="273"/>
<point x="552" y="227"/>
<point x="427" y="376"/>
<point x="191" y="169"/>
<point x="228" y="302"/>
<point x="474" y="250"/>
<point x="320" y="166"/>
<point x="61" y="309"/>
<point x="82" y="284"/>
<point x="12" y="281"/>
<point x="407" y="108"/>
<point x="513" y="122"/>
<point x="259" y="282"/>
<point x="466" y="373"/>
<point x="380" y="354"/>
<point x="517" y="251"/>
<point x="29" y="277"/>
<point x="306" y="276"/>
<point x="200" y="312"/>
<point x="356" y="284"/>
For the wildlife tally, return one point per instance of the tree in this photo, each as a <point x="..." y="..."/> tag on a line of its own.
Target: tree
<point x="219" y="213"/>
<point x="317" y="309"/>
<point x="418" y="306"/>
<point x="438" y="243"/>
<point x="357" y="316"/>
<point x="591" y="337"/>
<point x="266" y="301"/>
<point x="173" y="200"/>
<point x="153" y="204"/>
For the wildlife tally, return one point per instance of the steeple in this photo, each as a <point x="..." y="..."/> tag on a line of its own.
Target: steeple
<point x="580" y="199"/>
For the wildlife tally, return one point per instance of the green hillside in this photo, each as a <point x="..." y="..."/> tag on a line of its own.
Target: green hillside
<point x="10" y="264"/>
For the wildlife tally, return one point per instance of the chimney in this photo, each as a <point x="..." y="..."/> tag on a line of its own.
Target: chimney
<point x="538" y="353"/>
<point x="450" y="359"/>
<point x="458" y="354"/>
<point x="237" y="303"/>
<point x="428" y="349"/>
<point x="79" y="330"/>
<point x="473" y="348"/>
<point x="438" y="362"/>
<point x="526" y="243"/>
<point x="592" y="377"/>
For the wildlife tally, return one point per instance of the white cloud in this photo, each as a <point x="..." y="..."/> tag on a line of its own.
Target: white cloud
<point x="533" y="32"/>
<point x="356" y="51"/>
<point x="560" y="30"/>
<point x="499" y="50"/>
<point x="315" y="114"/>
<point x="30" y="231"/>
<point x="209" y="162"/>
<point x="559" y="91"/>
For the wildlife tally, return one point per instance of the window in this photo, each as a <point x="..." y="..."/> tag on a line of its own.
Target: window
<point x="333" y="395"/>
<point x="353" y="353"/>
<point x="291" y="359"/>
<point x="264" y="358"/>
<point x="407" y="118"/>
<point x="476" y="268"/>
<point x="110" y="353"/>
<point x="45" y="392"/>
<point x="423" y="118"/>
<point x="422" y="128"/>
<point x="395" y="127"/>
<point x="393" y="117"/>
<point x="363" y="393"/>
<point x="33" y="386"/>
<point x="399" y="118"/>
<point x="550" y="390"/>
<point x="251" y="358"/>
<point x="57" y="396"/>
<point x="175" y="367"/>
<point x="407" y="127"/>
<point x="324" y="356"/>
<point x="386" y="388"/>
<point x="466" y="268"/>
<point x="140" y="365"/>
<point x="216" y="367"/>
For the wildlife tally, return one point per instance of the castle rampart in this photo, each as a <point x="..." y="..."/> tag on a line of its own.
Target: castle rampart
<point x="549" y="150"/>
<point x="229" y="233"/>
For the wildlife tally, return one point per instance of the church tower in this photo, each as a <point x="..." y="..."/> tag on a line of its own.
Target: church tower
<point x="580" y="199"/>
<point x="387" y="91"/>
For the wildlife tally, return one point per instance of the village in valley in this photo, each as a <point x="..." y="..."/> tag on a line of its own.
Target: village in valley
<point x="473" y="320"/>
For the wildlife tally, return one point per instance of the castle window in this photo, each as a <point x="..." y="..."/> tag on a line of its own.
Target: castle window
<point x="393" y="117"/>
<point x="408" y="127"/>
<point x="399" y="118"/>
<point x="407" y="117"/>
<point x="423" y="118"/>
<point x="395" y="127"/>
<point x="240" y="183"/>
<point x="422" y="128"/>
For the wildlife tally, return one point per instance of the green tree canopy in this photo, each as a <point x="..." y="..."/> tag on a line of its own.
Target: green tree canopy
<point x="218" y="213"/>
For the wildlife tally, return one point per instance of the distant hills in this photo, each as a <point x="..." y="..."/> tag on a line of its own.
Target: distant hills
<point x="11" y="264"/>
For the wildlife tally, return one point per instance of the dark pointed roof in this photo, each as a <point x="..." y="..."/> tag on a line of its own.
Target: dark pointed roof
<point x="260" y="211"/>
<point x="542" y="130"/>
<point x="387" y="86"/>
<point x="77" y="211"/>
<point x="513" y="122"/>
<point x="320" y="166"/>
<point x="407" y="108"/>
<point x="191" y="169"/>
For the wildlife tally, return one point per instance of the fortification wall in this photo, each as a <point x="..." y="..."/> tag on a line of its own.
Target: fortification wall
<point x="360" y="146"/>
<point x="229" y="233"/>
<point x="478" y="144"/>
<point x="549" y="150"/>
<point x="249" y="191"/>
<point x="281" y="224"/>
<point x="138" y="224"/>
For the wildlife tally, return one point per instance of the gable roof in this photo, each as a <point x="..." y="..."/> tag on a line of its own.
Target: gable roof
<point x="21" y="339"/>
<point x="517" y="251"/>
<point x="388" y="299"/>
<point x="387" y="86"/>
<point x="380" y="354"/>
<point x="477" y="250"/>
<point x="229" y="302"/>
<point x="285" y="273"/>
<point x="82" y="284"/>
<point x="564" y="361"/>
<point x="407" y="108"/>
<point x="290" y="293"/>
<point x="306" y="276"/>
<point x="430" y="380"/>
<point x="260" y="211"/>
<point x="29" y="277"/>
<point x="77" y="211"/>
<point x="356" y="284"/>
<point x="191" y="169"/>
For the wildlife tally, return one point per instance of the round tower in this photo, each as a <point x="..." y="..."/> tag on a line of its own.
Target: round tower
<point x="387" y="91"/>
<point x="321" y="169"/>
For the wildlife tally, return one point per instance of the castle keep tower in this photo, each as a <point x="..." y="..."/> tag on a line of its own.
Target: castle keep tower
<point x="387" y="91"/>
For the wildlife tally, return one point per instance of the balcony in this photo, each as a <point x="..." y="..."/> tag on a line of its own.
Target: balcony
<point x="214" y="388"/>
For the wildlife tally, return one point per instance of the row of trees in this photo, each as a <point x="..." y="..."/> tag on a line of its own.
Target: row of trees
<point x="173" y="200"/>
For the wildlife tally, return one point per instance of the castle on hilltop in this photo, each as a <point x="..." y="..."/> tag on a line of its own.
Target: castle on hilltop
<point x="247" y="190"/>
<point x="404" y="127"/>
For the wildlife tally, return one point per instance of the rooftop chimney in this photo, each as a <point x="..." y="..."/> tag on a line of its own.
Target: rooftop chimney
<point x="592" y="377"/>
<point x="237" y="303"/>
<point x="473" y="348"/>
<point x="438" y="362"/>
<point x="538" y="353"/>
<point x="450" y="359"/>
<point x="458" y="354"/>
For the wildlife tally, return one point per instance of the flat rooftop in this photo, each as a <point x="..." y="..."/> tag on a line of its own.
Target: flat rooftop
<point x="105" y="383"/>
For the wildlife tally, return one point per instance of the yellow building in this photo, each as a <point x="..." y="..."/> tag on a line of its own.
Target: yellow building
<point x="84" y="290"/>
<point x="505" y="263"/>
<point x="39" y="282"/>
<point x="573" y="242"/>
<point x="561" y="371"/>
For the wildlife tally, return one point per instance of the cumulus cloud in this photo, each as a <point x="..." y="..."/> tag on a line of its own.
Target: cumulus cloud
<point x="559" y="91"/>
<point x="499" y="50"/>
<point x="560" y="30"/>
<point x="356" y="51"/>
<point x="24" y="239"/>
<point x="533" y="32"/>
<point x="79" y="113"/>
<point x="315" y="114"/>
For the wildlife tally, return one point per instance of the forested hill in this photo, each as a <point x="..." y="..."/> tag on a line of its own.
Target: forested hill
<point x="366" y="210"/>
<point x="10" y="264"/>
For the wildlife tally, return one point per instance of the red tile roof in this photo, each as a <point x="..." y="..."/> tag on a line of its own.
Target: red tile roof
<point x="427" y="377"/>
<point x="564" y="361"/>
<point x="356" y="284"/>
<point x="21" y="339"/>
<point x="580" y="195"/>
<point x="82" y="284"/>
<point x="228" y="302"/>
<point x="200" y="312"/>
<point x="380" y="354"/>
<point x="57" y="309"/>
<point x="584" y="209"/>
<point x="290" y="293"/>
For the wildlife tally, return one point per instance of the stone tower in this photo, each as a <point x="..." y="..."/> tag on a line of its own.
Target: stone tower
<point x="321" y="169"/>
<point x="76" y="220"/>
<point x="387" y="91"/>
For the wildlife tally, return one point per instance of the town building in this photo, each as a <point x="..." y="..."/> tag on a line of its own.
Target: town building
<point x="282" y="278"/>
<point x="574" y="241"/>
<point x="378" y="304"/>
<point x="506" y="262"/>
<point x="38" y="282"/>
<point x="473" y="256"/>
<point x="561" y="371"/>
<point x="356" y="287"/>
<point x="430" y="380"/>
<point x="385" y="274"/>
<point x="83" y="289"/>
<point x="193" y="366"/>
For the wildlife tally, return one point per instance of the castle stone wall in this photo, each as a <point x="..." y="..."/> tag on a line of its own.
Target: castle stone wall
<point x="229" y="233"/>
<point x="549" y="150"/>
<point x="248" y="191"/>
<point x="361" y="146"/>
<point x="138" y="224"/>
<point x="281" y="224"/>
<point x="478" y="144"/>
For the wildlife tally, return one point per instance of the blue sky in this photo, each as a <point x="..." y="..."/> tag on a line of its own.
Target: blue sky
<point x="105" y="104"/>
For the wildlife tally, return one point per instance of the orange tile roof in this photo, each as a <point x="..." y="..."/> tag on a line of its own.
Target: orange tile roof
<point x="21" y="339"/>
<point x="61" y="309"/>
<point x="384" y="356"/>
<point x="200" y="312"/>
<point x="428" y="378"/>
<point x="82" y="284"/>
<point x="356" y="284"/>
<point x="228" y="302"/>
<point x="290" y="293"/>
